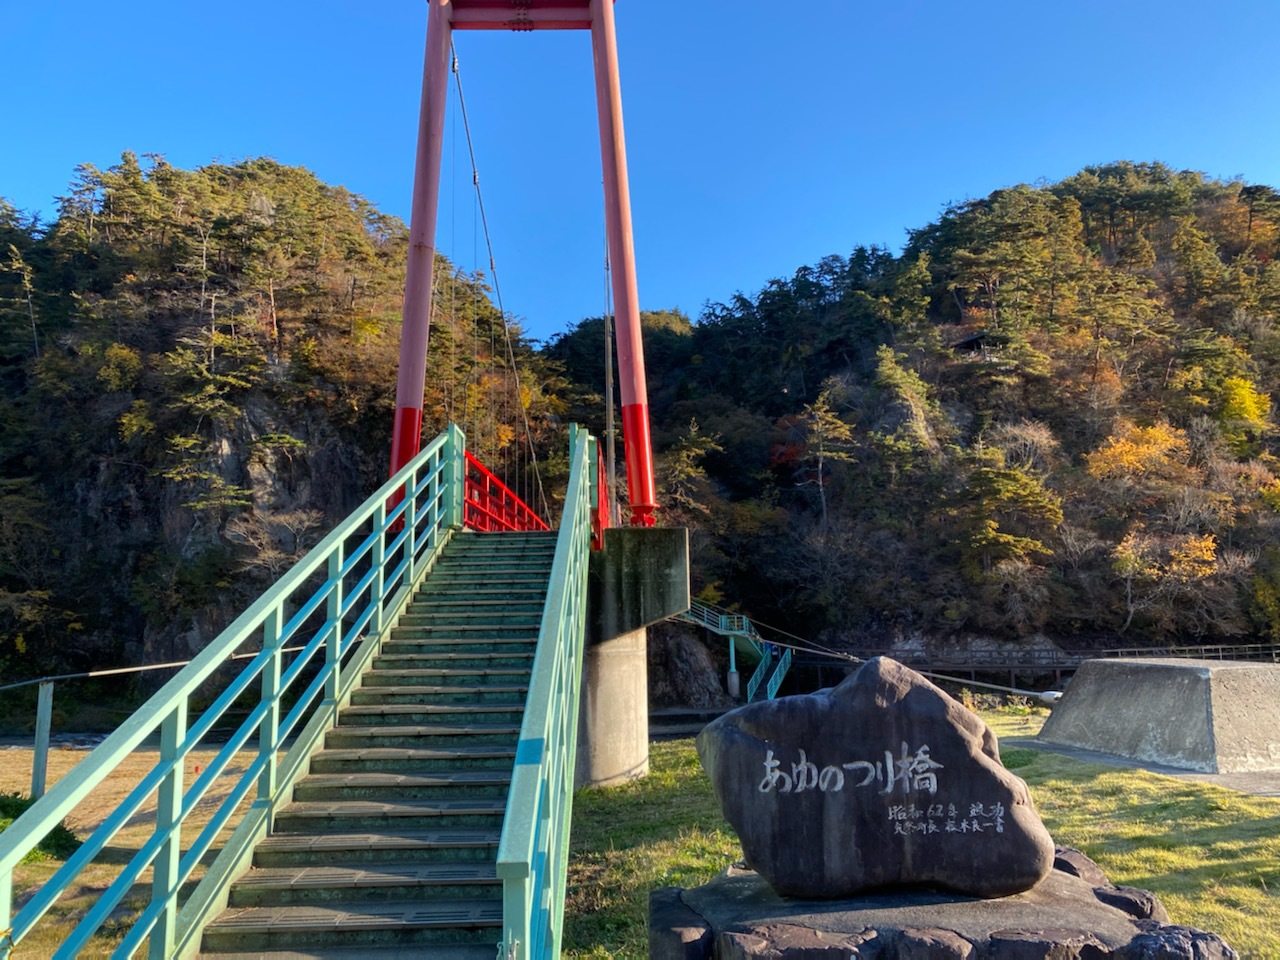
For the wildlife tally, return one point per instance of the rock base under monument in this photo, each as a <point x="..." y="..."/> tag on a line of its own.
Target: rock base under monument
<point x="1073" y="913"/>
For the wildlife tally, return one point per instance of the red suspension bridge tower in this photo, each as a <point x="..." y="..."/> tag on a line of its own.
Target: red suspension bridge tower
<point x="526" y="15"/>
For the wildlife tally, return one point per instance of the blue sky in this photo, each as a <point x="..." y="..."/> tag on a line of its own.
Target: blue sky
<point x="762" y="135"/>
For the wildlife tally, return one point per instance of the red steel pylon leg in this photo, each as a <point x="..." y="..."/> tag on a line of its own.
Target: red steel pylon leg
<point x="407" y="432"/>
<point x="641" y="491"/>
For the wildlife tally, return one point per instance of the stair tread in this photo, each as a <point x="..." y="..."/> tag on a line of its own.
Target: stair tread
<point x="483" y="578"/>
<point x="362" y="710"/>
<point x="444" y="653"/>
<point x="528" y="627"/>
<point x="384" y="779"/>
<point x="424" y="689"/>
<point x="401" y="808"/>
<point x="367" y="876"/>
<point x="447" y="640"/>
<point x="476" y="752"/>
<point x="379" y="840"/>
<point x="445" y="672"/>
<point x="445" y="595"/>
<point x="448" y="654"/>
<point x="360" y="916"/>
<point x="431" y="730"/>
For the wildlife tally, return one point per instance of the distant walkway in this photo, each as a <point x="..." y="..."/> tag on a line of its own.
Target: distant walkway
<point x="1057" y="659"/>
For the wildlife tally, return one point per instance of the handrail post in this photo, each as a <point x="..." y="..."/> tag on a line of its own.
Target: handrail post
<point x="269" y="730"/>
<point x="333" y="646"/>
<point x="377" y="560"/>
<point x="40" y="760"/>
<point x="164" y="883"/>
<point x="410" y="532"/>
<point x="6" y="913"/>
<point x="455" y="475"/>
<point x="593" y="484"/>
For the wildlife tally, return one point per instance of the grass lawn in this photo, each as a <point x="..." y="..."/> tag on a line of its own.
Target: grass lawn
<point x="1211" y="854"/>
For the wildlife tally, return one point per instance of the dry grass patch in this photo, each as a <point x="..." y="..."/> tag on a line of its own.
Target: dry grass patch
<point x="79" y="898"/>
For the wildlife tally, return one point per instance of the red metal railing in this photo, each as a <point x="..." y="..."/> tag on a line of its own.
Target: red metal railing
<point x="490" y="506"/>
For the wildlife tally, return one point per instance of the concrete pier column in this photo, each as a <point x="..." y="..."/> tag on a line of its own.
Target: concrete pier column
<point x="613" y="721"/>
<point x="639" y="578"/>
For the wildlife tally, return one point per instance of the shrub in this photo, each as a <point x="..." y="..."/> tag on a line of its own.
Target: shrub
<point x="60" y="842"/>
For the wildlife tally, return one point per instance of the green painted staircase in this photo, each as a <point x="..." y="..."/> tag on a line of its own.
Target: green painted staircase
<point x="388" y="849"/>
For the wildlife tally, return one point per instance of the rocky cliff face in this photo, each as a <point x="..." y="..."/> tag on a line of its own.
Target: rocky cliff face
<point x="168" y="578"/>
<point x="683" y="671"/>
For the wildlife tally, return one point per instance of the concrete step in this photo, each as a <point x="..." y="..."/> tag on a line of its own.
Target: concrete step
<point x="422" y="736"/>
<point x="395" y="675"/>
<point x="507" y="543"/>
<point x="521" y="640"/>
<point x="366" y="883"/>
<point x="425" y="714"/>
<point x="338" y="925"/>
<point x="435" y="657"/>
<point x="372" y="815"/>
<point x="420" y="846"/>
<point x="394" y="787"/>
<point x="494" y="627"/>
<point x="497" y="617"/>
<point x="497" y="593"/>
<point x="526" y="553"/>
<point x="494" y="567"/>
<point x="470" y="580"/>
<point x="408" y="760"/>
<point x="462" y="603"/>
<point x="419" y="693"/>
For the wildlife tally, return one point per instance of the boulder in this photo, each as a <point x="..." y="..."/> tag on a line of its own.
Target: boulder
<point x="881" y="782"/>
<point x="1072" y="861"/>
<point x="675" y="931"/>
<point x="1061" y="918"/>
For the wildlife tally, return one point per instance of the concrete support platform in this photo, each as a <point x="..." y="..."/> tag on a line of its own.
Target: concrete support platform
<point x="1211" y="716"/>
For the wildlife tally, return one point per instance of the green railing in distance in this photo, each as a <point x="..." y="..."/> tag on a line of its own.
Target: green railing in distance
<point x="775" y="681"/>
<point x="335" y="604"/>
<point x="534" y="850"/>
<point x="761" y="671"/>
<point x="737" y="628"/>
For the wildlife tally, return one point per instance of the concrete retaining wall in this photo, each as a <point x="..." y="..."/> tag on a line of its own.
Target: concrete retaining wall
<point x="1212" y="716"/>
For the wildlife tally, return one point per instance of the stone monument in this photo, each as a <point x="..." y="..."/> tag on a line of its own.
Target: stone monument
<point x="877" y="821"/>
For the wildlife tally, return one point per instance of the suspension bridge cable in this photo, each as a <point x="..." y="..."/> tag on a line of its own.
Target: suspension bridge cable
<point x="497" y="289"/>
<point x="611" y="476"/>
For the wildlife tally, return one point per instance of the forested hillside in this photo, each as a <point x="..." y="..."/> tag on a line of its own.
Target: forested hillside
<point x="197" y="373"/>
<point x="1051" y="413"/>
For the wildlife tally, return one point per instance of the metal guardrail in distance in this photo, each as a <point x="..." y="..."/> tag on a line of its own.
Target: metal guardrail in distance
<point x="757" y="678"/>
<point x="775" y="681"/>
<point x="534" y="850"/>
<point x="492" y="506"/>
<point x="336" y="603"/>
<point x="1071" y="659"/>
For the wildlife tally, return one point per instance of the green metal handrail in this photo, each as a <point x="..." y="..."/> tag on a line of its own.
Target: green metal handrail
<point x="757" y="678"/>
<point x="370" y="566"/>
<point x="775" y="681"/>
<point x="534" y="850"/>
